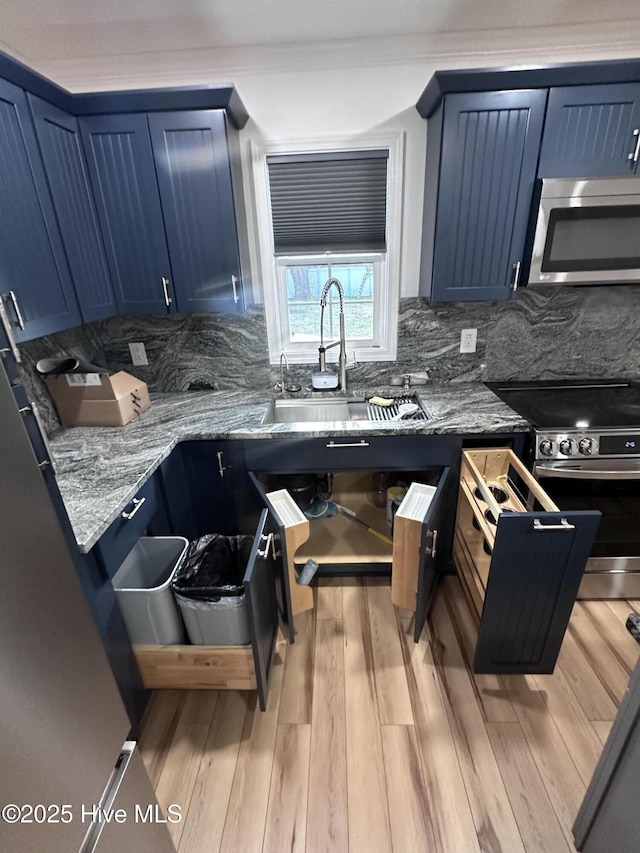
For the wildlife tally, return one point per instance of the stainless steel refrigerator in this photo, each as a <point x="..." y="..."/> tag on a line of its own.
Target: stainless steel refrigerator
<point x="69" y="778"/>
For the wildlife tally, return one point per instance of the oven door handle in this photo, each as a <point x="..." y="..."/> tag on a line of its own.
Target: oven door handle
<point x="588" y="471"/>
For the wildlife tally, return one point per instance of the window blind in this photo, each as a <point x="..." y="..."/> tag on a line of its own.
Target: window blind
<point x="328" y="202"/>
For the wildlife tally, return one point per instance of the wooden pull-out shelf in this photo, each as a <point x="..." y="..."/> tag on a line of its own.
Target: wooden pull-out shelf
<point x="520" y="560"/>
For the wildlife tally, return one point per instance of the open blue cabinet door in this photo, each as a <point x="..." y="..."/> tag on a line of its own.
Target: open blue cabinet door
<point x="536" y="568"/>
<point x="262" y="605"/>
<point x="430" y="554"/>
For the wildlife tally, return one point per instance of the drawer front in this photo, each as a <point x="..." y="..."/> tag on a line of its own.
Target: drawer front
<point x="354" y="453"/>
<point x="119" y="539"/>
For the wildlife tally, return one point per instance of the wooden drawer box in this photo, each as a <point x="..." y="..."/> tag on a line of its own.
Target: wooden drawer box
<point x="193" y="667"/>
<point x="197" y="667"/>
<point x="520" y="561"/>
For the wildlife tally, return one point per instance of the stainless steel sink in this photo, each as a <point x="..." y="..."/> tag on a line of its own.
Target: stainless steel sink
<point x="314" y="410"/>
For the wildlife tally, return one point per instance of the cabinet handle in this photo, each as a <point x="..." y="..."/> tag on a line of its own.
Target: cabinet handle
<point x="234" y="285"/>
<point x="6" y="325"/>
<point x="165" y="290"/>
<point x="516" y="276"/>
<point x="45" y="438"/>
<point x="137" y="503"/>
<point x="434" y="539"/>
<point x="221" y="468"/>
<point x="90" y="843"/>
<point x="16" y="308"/>
<point x="635" y="154"/>
<point x="564" y="525"/>
<point x="362" y="443"/>
<point x="35" y="411"/>
<point x="269" y="541"/>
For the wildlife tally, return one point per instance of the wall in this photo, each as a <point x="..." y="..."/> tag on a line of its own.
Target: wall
<point x="543" y="333"/>
<point x="342" y="89"/>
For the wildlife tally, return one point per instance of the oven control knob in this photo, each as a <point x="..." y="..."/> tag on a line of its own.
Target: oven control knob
<point x="585" y="446"/>
<point x="564" y="447"/>
<point x="546" y="447"/>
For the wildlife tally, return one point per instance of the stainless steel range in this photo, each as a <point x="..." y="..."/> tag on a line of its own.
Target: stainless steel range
<point x="587" y="453"/>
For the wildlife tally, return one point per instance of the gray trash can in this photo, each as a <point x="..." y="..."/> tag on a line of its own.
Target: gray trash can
<point x="216" y="623"/>
<point x="143" y="587"/>
<point x="210" y="591"/>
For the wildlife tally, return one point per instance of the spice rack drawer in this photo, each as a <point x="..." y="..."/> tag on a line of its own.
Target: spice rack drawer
<point x="520" y="561"/>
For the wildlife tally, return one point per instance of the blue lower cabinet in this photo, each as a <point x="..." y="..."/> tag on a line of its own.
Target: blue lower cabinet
<point x="35" y="280"/>
<point x="138" y="515"/>
<point x="519" y="560"/>
<point x="482" y="154"/>
<point x="212" y="475"/>
<point x="106" y="612"/>
<point x="60" y="145"/>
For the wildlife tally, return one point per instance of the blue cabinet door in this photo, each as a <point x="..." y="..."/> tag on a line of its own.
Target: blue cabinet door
<point x="537" y="564"/>
<point x="33" y="264"/>
<point x="192" y="163"/>
<point x="61" y="149"/>
<point x="488" y="156"/>
<point x="591" y="131"/>
<point x="122" y="172"/>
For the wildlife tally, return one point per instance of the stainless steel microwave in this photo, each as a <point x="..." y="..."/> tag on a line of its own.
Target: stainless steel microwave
<point x="587" y="232"/>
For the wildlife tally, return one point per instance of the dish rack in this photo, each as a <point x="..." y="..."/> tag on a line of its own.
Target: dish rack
<point x="390" y="413"/>
<point x="520" y="560"/>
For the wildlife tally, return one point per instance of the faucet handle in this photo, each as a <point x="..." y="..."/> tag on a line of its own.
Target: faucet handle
<point x="353" y="363"/>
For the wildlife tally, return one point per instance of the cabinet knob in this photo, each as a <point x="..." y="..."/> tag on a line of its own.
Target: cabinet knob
<point x="234" y="285"/>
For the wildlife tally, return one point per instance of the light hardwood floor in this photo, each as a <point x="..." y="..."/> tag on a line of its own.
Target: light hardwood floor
<point x="371" y="743"/>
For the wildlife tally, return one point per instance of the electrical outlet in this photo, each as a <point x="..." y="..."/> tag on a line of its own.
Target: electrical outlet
<point x="468" y="338"/>
<point x="138" y="354"/>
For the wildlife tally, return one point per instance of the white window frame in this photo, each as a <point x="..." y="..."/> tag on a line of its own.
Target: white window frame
<point x="388" y="263"/>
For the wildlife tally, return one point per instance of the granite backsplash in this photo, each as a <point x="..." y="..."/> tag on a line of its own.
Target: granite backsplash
<point x="543" y="333"/>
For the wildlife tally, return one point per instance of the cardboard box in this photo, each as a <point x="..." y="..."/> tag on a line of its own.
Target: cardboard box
<point x="97" y="399"/>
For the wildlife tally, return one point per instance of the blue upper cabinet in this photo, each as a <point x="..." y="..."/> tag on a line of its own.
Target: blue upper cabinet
<point x="61" y="149"/>
<point x="591" y="131"/>
<point x="482" y="153"/>
<point x="192" y="158"/>
<point x="122" y="172"/>
<point x="164" y="188"/>
<point x="35" y="281"/>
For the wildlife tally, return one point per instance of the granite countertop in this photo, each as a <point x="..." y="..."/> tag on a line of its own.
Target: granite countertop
<point x="100" y="469"/>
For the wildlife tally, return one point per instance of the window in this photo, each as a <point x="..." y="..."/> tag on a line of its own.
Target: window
<point x="330" y="213"/>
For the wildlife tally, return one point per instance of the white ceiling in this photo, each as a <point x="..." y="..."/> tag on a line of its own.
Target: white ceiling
<point x="55" y="36"/>
<point x="99" y="28"/>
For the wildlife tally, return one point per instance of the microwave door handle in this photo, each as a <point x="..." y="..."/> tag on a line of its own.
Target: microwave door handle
<point x="636" y="153"/>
